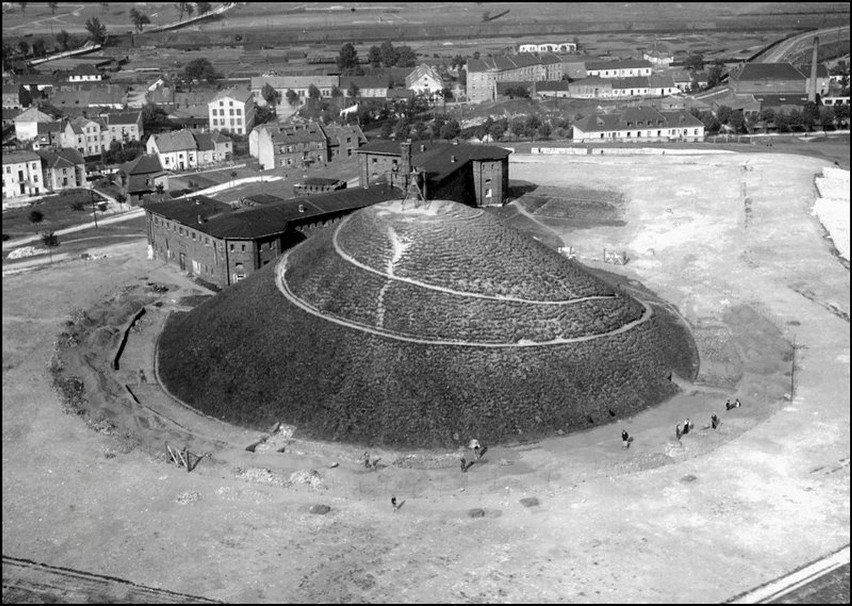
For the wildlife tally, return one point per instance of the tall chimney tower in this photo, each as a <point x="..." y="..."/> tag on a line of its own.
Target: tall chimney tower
<point x="812" y="84"/>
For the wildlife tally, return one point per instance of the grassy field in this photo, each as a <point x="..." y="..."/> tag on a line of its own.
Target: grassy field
<point x="58" y="213"/>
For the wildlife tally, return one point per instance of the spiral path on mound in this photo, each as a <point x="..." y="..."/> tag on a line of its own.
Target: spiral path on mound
<point x="411" y="275"/>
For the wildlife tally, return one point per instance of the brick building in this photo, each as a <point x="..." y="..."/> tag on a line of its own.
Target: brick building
<point x="222" y="245"/>
<point x="476" y="175"/>
<point x="767" y="78"/>
<point x="484" y="74"/>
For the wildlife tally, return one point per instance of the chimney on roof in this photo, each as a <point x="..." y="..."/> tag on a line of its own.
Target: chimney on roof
<point x="453" y="158"/>
<point x="812" y="88"/>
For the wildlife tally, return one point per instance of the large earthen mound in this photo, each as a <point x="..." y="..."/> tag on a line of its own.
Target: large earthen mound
<point x="419" y="326"/>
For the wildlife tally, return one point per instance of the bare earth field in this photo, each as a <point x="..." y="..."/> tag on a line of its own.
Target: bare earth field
<point x="727" y="239"/>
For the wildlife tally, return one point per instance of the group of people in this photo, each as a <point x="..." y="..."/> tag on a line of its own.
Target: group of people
<point x="714" y="419"/>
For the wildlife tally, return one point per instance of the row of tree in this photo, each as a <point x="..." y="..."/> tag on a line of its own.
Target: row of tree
<point x="808" y="118"/>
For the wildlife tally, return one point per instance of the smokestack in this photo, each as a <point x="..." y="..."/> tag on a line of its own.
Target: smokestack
<point x="813" y="81"/>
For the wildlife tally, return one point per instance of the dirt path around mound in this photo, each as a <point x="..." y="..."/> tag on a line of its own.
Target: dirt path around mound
<point x="702" y="519"/>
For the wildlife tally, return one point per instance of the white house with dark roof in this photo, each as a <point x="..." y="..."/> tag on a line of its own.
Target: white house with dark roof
<point x="175" y="150"/>
<point x="213" y="148"/>
<point x="639" y="124"/>
<point x="298" y="84"/>
<point x="22" y="174"/>
<point x="424" y="80"/>
<point x="63" y="169"/>
<point x="621" y="68"/>
<point x="26" y="123"/>
<point x="82" y="134"/>
<point x="122" y="127"/>
<point x="232" y="111"/>
<point x="369" y="87"/>
<point x="85" y="72"/>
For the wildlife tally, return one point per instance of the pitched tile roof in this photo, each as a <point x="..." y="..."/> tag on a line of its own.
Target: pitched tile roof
<point x="286" y="82"/>
<point x="618" y="64"/>
<point x="175" y="141"/>
<point x="767" y="71"/>
<point x="238" y="94"/>
<point x="19" y="156"/>
<point x="221" y="221"/>
<point x="142" y="165"/>
<point x="637" y="117"/>
<point x="64" y="158"/>
<point x="631" y="82"/>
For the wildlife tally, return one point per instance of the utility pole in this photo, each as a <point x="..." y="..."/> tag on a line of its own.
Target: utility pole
<point x="94" y="210"/>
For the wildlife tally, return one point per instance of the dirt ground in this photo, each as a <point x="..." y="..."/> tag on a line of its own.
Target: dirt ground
<point x="727" y="239"/>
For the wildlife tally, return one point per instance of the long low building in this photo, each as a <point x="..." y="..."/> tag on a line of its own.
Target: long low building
<point x="639" y="124"/>
<point x="221" y="244"/>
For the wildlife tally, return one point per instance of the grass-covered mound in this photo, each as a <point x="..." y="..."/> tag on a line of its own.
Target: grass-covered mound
<point x="251" y="356"/>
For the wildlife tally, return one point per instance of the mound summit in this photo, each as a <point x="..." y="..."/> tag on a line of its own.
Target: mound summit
<point x="415" y="327"/>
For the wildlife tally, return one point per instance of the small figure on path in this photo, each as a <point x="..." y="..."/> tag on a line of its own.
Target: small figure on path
<point x="714" y="421"/>
<point x="368" y="463"/>
<point x="396" y="506"/>
<point x="687" y="425"/>
<point x="625" y="439"/>
<point x="678" y="432"/>
<point x="465" y="465"/>
<point x="728" y="405"/>
<point x="142" y="377"/>
<point x="737" y="403"/>
<point x="479" y="450"/>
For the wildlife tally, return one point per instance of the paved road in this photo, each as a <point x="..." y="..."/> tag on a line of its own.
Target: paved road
<point x="785" y="50"/>
<point x="132" y="214"/>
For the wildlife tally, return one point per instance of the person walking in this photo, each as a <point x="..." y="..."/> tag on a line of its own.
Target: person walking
<point x="687" y="425"/>
<point x="625" y="439"/>
<point x="678" y="432"/>
<point x="714" y="421"/>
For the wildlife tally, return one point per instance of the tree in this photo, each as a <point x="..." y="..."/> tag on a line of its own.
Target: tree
<point x="723" y="113"/>
<point x="200" y="69"/>
<point x="694" y="62"/>
<point x="154" y="119"/>
<point x="497" y="130"/>
<point x="97" y="31"/>
<point x="388" y="53"/>
<point x="36" y="216"/>
<point x="39" y="49"/>
<point x="336" y="93"/>
<point x="810" y="115"/>
<point x="51" y="240"/>
<point x="203" y="7"/>
<point x="270" y="95"/>
<point x="795" y="120"/>
<point x="64" y="39"/>
<point x="262" y="115"/>
<point x="450" y="130"/>
<point x="233" y="175"/>
<point x="139" y="19"/>
<point x="190" y="8"/>
<point x="544" y="130"/>
<point x="374" y="56"/>
<point x="161" y="190"/>
<point x="313" y="92"/>
<point x="401" y="128"/>
<point x="841" y="114"/>
<point x="292" y="97"/>
<point x="25" y="98"/>
<point x="387" y="130"/>
<point x="347" y="60"/>
<point x="714" y="76"/>
<point x="405" y="57"/>
<point x="23" y="7"/>
<point x="826" y="117"/>
<point x="52" y="6"/>
<point x="737" y="121"/>
<point x="24" y="47"/>
<point x="457" y="62"/>
<point x="353" y="90"/>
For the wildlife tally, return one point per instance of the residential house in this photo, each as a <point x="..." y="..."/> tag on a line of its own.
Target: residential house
<point x="83" y="134"/>
<point x="767" y="79"/>
<point x="48" y="136"/>
<point x="621" y="68"/>
<point x="293" y="145"/>
<point x="424" y="80"/>
<point x="175" y="150"/>
<point x="548" y="47"/>
<point x="343" y="141"/>
<point x="105" y="96"/>
<point x="298" y="84"/>
<point x="9" y="116"/>
<point x="37" y="83"/>
<point x="122" y="127"/>
<point x="141" y="176"/>
<point x="11" y="99"/>
<point x="22" y="174"/>
<point x="636" y="86"/>
<point x="222" y="244"/>
<point x="476" y="175"/>
<point x="639" y="124"/>
<point x="658" y="55"/>
<point x="483" y="74"/>
<point x="63" y="169"/>
<point x="213" y="148"/>
<point x="661" y="85"/>
<point x="551" y="90"/>
<point x="232" y="111"/>
<point x="369" y="87"/>
<point x="85" y="72"/>
<point x="26" y="123"/>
